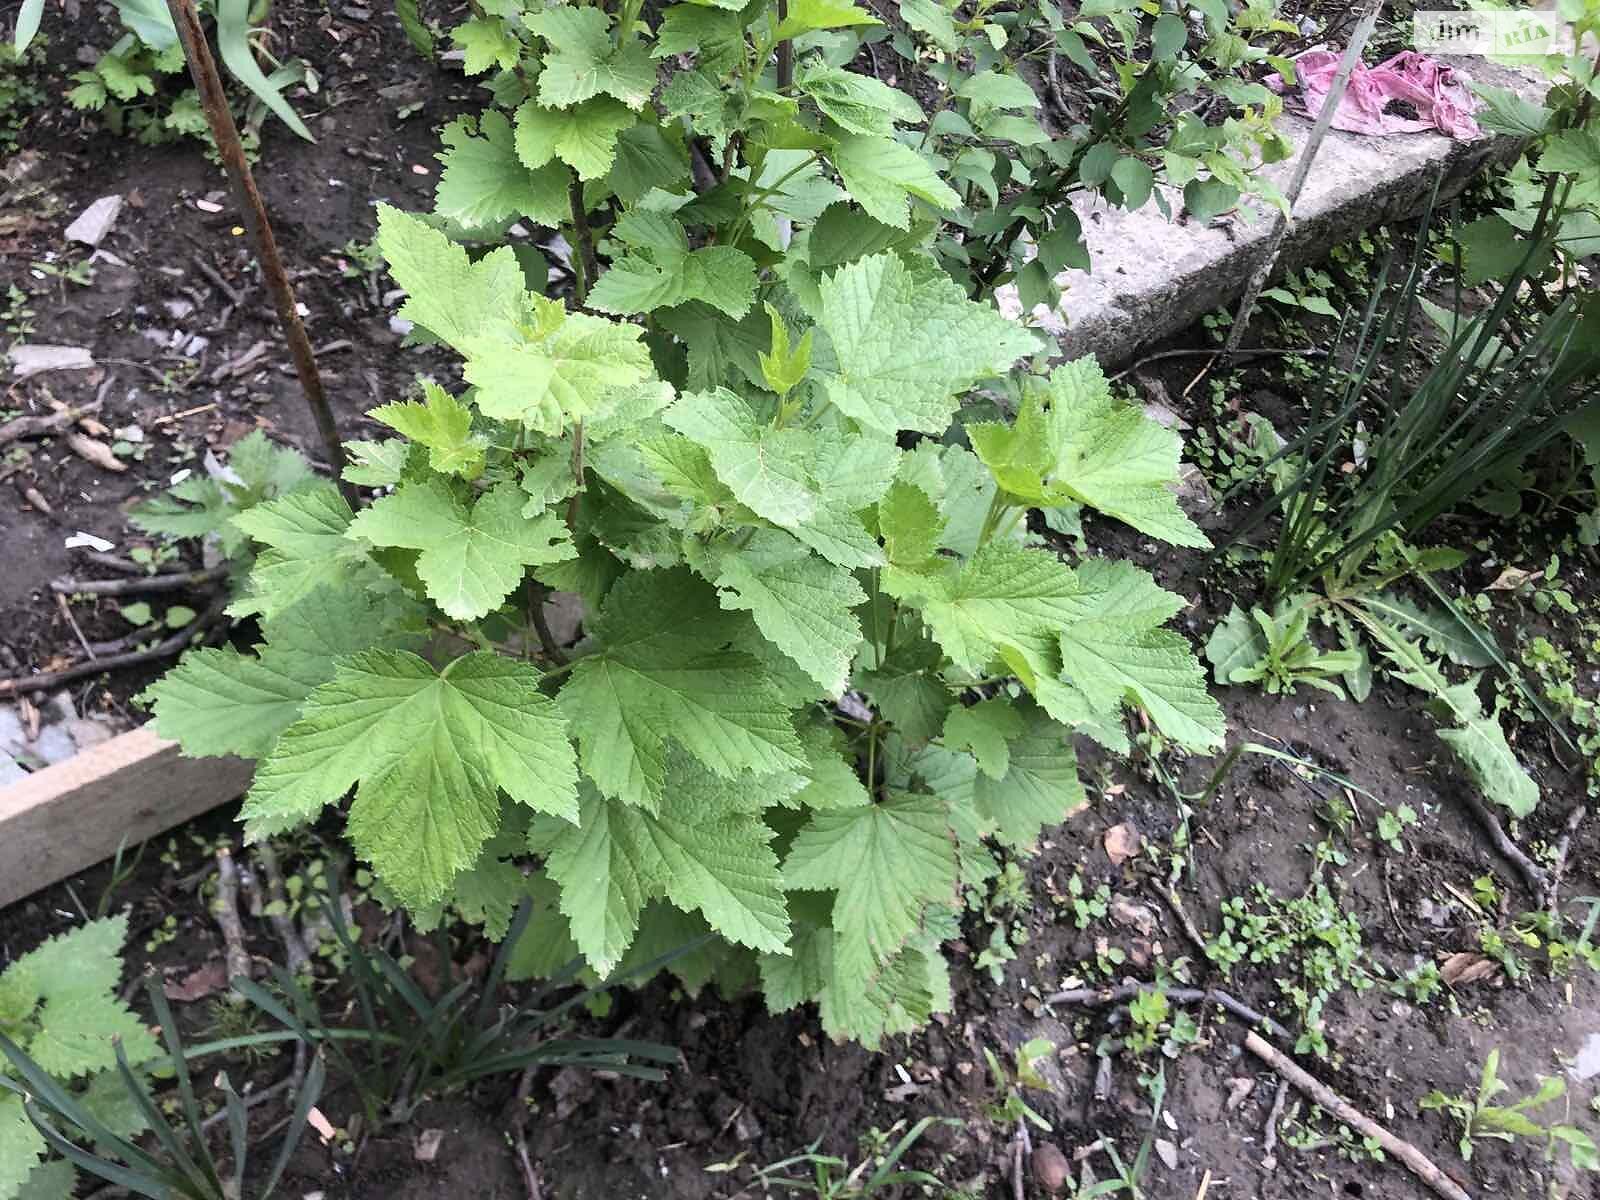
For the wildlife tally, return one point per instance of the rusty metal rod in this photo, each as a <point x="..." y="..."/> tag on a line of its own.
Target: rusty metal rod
<point x="203" y="69"/>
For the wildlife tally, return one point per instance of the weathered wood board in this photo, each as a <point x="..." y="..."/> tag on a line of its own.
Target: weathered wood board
<point x="72" y="815"/>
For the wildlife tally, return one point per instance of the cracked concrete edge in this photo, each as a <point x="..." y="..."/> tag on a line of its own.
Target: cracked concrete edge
<point x="1150" y="278"/>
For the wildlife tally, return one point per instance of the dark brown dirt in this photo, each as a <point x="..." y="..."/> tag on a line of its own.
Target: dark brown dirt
<point x="753" y="1088"/>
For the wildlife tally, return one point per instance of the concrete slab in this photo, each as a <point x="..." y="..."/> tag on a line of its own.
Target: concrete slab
<point x="1149" y="278"/>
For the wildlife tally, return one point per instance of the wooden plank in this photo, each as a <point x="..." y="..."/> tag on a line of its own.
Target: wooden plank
<point x="72" y="815"/>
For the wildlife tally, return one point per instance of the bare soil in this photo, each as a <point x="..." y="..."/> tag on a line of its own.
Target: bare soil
<point x="752" y="1088"/>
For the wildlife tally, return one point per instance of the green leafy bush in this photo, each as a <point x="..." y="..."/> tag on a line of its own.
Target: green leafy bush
<point x="59" y="1006"/>
<point x="825" y="654"/>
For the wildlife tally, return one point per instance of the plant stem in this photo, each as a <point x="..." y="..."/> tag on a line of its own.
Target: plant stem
<point x="203" y="69"/>
<point x="536" y="597"/>
<point x="785" y="53"/>
<point x="991" y="518"/>
<point x="872" y="761"/>
<point x="584" y="260"/>
<point x="577" y="474"/>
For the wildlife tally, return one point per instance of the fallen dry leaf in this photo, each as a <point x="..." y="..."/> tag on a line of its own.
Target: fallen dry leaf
<point x="198" y="984"/>
<point x="321" y="1124"/>
<point x="95" y="452"/>
<point x="1122" y="843"/>
<point x="1466" y="967"/>
<point x="1510" y="579"/>
<point x="427" y="1145"/>
<point x="1239" y="1089"/>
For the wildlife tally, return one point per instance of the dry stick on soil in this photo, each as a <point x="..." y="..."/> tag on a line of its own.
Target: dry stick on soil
<point x="270" y="901"/>
<point x="1175" y="903"/>
<point x="1302" y="169"/>
<point x="27" y="427"/>
<point x="298" y="958"/>
<point x="1100" y="997"/>
<point x="1532" y="873"/>
<point x="1269" y="1136"/>
<point x="176" y="644"/>
<point x="1415" y="1161"/>
<point x="1253" y="352"/>
<point x="225" y="908"/>
<point x="1559" y="867"/>
<point x="203" y="69"/>
<point x="126" y="566"/>
<point x="176" y="581"/>
<point x="66" y="611"/>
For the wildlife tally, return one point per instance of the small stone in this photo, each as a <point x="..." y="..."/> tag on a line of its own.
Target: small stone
<point x="1167" y="1153"/>
<point x="54" y="744"/>
<point x="10" y="771"/>
<point x="1239" y="1089"/>
<point x="745" y="1126"/>
<point x="95" y="222"/>
<point x="1051" y="1170"/>
<point x="36" y="359"/>
<point x="1134" y="915"/>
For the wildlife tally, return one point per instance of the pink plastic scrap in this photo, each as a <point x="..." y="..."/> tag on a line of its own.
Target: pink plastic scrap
<point x="1407" y="94"/>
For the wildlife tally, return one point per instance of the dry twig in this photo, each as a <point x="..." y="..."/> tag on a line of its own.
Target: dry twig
<point x="173" y="581"/>
<point x="1414" y="1160"/>
<point x="1269" y="1136"/>
<point x="1121" y="994"/>
<point x="77" y="630"/>
<point x="1558" y="868"/>
<point x="176" y="644"/>
<point x="297" y="957"/>
<point x="1532" y="873"/>
<point x="26" y="427"/>
<point x="225" y="908"/>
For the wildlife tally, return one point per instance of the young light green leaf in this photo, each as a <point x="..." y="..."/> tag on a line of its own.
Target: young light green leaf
<point x="430" y="751"/>
<point x="888" y="863"/>
<point x="1073" y="441"/>
<point x="882" y="176"/>
<point x="472" y="558"/>
<point x="584" y="137"/>
<point x="441" y="423"/>
<point x="1040" y="785"/>
<point x="910" y="525"/>
<point x="661" y="674"/>
<point x="906" y="345"/>
<point x="660" y="271"/>
<point x="802" y="604"/>
<point x="560" y="367"/>
<point x="449" y="295"/>
<point x="765" y="468"/>
<point x="487" y="43"/>
<point x="985" y="728"/>
<point x="484" y="183"/>
<point x="582" y="61"/>
<point x="782" y="367"/>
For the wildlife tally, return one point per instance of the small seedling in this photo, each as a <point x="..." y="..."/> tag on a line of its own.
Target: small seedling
<point x="1479" y="1117"/>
